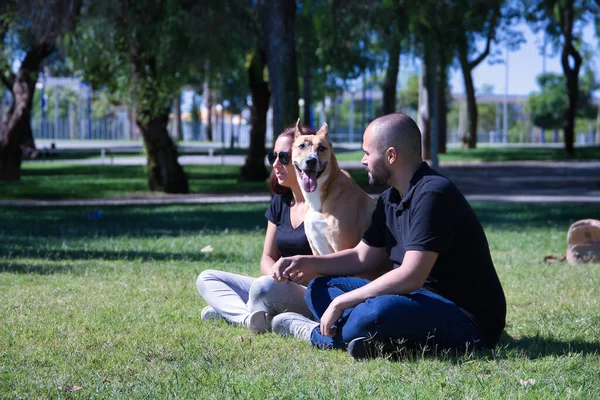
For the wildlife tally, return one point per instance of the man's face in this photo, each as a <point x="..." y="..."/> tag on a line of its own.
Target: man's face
<point x="374" y="161"/>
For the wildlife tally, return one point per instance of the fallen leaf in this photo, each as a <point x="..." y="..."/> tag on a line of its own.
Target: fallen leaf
<point x="70" y="388"/>
<point x="207" y="249"/>
<point x="527" y="382"/>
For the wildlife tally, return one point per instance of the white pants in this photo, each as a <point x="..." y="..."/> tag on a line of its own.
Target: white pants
<point x="237" y="296"/>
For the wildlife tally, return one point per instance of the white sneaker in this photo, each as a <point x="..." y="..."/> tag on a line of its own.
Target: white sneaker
<point x="259" y="322"/>
<point x="210" y="313"/>
<point x="293" y="324"/>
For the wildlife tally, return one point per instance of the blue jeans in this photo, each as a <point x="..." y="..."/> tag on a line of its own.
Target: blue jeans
<point x="421" y="318"/>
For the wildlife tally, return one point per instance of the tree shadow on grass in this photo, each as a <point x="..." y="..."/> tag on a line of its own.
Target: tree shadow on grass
<point x="60" y="261"/>
<point x="145" y="221"/>
<point x="60" y="255"/>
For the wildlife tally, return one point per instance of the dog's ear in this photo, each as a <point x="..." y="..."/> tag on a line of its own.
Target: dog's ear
<point x="297" y="132"/>
<point x="324" y="131"/>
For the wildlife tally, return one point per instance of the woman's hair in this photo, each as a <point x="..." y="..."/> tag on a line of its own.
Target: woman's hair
<point x="288" y="132"/>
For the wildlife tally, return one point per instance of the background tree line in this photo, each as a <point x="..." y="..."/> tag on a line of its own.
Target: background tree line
<point x="269" y="53"/>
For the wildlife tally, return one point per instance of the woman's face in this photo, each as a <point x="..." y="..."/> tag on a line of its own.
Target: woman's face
<point x="285" y="174"/>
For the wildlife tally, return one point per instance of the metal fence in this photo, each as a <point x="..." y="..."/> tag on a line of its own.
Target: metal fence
<point x="226" y="133"/>
<point x="230" y="134"/>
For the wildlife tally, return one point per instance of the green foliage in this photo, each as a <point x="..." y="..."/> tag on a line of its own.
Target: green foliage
<point x="548" y="107"/>
<point x="144" y="51"/>
<point x="409" y="95"/>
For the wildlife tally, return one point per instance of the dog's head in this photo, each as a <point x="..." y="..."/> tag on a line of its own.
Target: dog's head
<point x="313" y="157"/>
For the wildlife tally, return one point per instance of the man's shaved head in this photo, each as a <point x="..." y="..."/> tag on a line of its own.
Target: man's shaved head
<point x="398" y="131"/>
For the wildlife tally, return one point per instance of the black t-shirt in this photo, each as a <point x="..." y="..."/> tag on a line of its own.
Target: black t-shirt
<point x="289" y="241"/>
<point x="435" y="216"/>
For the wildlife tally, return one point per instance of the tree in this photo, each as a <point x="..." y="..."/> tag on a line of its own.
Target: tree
<point x="29" y="28"/>
<point x="277" y="18"/>
<point x="479" y="20"/>
<point x="394" y="28"/>
<point x="561" y="20"/>
<point x="145" y="51"/>
<point x="254" y="167"/>
<point x="549" y="107"/>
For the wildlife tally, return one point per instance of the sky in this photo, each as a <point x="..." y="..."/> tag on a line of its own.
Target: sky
<point x="524" y="65"/>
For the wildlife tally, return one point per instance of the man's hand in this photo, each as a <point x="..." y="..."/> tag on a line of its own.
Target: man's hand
<point x="330" y="317"/>
<point x="278" y="268"/>
<point x="296" y="269"/>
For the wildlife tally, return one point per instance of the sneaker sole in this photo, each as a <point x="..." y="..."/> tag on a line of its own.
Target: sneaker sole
<point x="260" y="322"/>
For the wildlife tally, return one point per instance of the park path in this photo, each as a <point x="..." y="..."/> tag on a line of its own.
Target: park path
<point x="498" y="182"/>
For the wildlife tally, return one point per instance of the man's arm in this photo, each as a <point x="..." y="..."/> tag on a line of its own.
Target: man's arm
<point x="360" y="259"/>
<point x="405" y="279"/>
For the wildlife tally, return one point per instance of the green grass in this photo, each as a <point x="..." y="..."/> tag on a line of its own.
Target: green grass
<point x="57" y="181"/>
<point x="54" y="181"/>
<point x="110" y="305"/>
<point x="502" y="154"/>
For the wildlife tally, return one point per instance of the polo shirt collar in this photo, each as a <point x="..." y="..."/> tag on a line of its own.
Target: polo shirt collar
<point x="422" y="171"/>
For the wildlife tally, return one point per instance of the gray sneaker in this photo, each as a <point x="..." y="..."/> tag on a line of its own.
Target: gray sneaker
<point x="210" y="313"/>
<point x="293" y="324"/>
<point x="259" y="322"/>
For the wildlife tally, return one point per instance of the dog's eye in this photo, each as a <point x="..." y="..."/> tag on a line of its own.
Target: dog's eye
<point x="321" y="148"/>
<point x="302" y="145"/>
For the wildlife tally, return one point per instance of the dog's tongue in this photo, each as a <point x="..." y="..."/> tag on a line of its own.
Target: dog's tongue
<point x="309" y="181"/>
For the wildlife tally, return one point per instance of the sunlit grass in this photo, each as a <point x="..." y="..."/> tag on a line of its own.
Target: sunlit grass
<point x="110" y="305"/>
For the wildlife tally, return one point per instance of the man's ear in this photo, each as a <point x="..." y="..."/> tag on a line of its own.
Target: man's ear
<point x="391" y="155"/>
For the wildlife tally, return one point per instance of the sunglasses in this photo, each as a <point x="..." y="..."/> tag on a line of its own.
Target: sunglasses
<point x="284" y="157"/>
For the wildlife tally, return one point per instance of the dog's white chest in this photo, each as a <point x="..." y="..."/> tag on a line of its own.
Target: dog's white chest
<point x="315" y="226"/>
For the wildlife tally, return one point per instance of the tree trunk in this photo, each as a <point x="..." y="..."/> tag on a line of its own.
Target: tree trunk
<point x="306" y="86"/>
<point x="16" y="126"/>
<point x="571" y="74"/>
<point x="164" y="172"/>
<point x="277" y="18"/>
<point x="254" y="167"/>
<point x="177" y="128"/>
<point x="208" y="102"/>
<point x="442" y="105"/>
<point x="424" y="112"/>
<point x="391" y="77"/>
<point x="442" y="110"/>
<point x="470" y="136"/>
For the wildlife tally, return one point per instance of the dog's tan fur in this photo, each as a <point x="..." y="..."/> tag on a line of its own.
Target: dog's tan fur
<point x="339" y="211"/>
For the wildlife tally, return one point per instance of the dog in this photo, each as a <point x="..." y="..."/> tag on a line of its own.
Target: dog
<point x="339" y="211"/>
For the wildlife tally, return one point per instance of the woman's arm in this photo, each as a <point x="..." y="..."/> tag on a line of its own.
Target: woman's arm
<point x="270" y="254"/>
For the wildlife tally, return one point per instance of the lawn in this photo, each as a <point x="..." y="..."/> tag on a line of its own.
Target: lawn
<point x="109" y="305"/>
<point x="59" y="180"/>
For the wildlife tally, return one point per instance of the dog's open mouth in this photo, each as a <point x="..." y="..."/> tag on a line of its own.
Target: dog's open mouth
<point x="309" y="177"/>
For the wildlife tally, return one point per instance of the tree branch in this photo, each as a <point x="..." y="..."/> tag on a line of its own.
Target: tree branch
<point x="490" y="36"/>
<point x="6" y="75"/>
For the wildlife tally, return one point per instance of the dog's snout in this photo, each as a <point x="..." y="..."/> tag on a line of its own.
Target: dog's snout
<point x="311" y="162"/>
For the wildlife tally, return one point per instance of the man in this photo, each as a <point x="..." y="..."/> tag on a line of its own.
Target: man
<point x="443" y="292"/>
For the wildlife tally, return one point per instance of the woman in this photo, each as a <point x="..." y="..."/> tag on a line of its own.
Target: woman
<point x="252" y="302"/>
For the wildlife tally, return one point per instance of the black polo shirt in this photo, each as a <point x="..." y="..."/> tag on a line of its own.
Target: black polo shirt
<point x="435" y="216"/>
